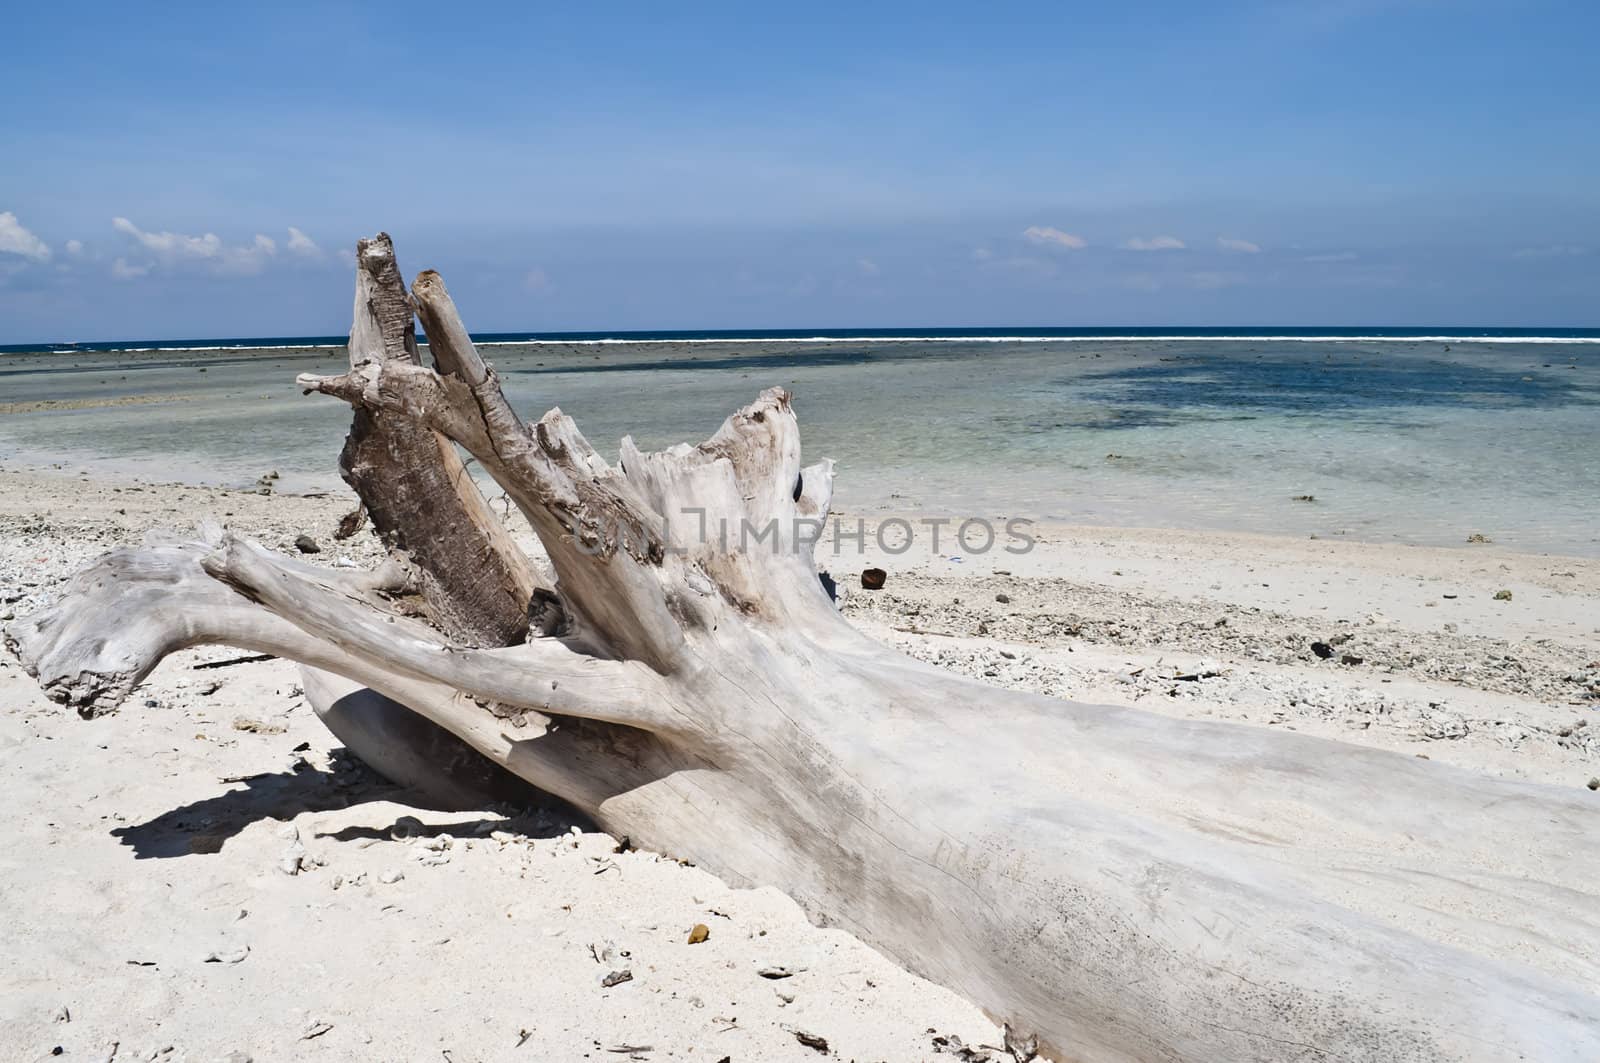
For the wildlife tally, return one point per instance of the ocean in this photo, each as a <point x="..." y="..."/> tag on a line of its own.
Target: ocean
<point x="1383" y="435"/>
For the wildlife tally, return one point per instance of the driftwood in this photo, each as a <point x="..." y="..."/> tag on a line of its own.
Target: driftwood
<point x="1122" y="885"/>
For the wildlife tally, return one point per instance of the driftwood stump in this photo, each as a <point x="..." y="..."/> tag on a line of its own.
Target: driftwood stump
<point x="1123" y="886"/>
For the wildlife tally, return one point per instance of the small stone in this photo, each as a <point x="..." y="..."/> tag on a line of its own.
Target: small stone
<point x="812" y="1041"/>
<point x="777" y="971"/>
<point x="315" y="1028"/>
<point x="1021" y="1049"/>
<point x="227" y="955"/>
<point x="389" y="878"/>
<point x="1502" y="596"/>
<point x="1322" y="649"/>
<point x="1003" y="599"/>
<point x="1594" y="784"/>
<point x="306" y="545"/>
<point x="1351" y="658"/>
<point x="616" y="978"/>
<point x="699" y="933"/>
<point x="253" y="726"/>
<point x="293" y="859"/>
<point x="1479" y="537"/>
<point x="873" y="579"/>
<point x="406" y="827"/>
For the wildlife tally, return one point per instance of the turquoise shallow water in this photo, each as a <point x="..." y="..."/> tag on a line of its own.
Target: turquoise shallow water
<point x="1396" y="439"/>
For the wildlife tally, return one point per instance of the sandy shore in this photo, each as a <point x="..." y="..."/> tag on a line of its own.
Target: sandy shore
<point x="140" y="844"/>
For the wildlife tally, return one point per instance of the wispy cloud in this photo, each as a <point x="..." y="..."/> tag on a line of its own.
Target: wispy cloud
<point x="1243" y="246"/>
<point x="208" y="250"/>
<point x="1551" y="251"/>
<point x="1334" y="256"/>
<point x="171" y="244"/>
<point x="123" y="270"/>
<point x="301" y="244"/>
<point x="16" y="240"/>
<point x="1050" y="236"/>
<point x="1155" y="243"/>
<point x="74" y="247"/>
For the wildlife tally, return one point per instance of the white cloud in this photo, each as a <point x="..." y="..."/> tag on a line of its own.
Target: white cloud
<point x="177" y="247"/>
<point x="1245" y="246"/>
<point x="124" y="271"/>
<point x="16" y="240"/>
<point x="301" y="244"/>
<point x="1338" y="256"/>
<point x="868" y="267"/>
<point x="172" y="244"/>
<point x="74" y="247"/>
<point x="1155" y="243"/>
<point x="981" y="254"/>
<point x="1046" y="234"/>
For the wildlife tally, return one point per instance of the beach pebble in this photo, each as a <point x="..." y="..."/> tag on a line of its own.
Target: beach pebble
<point x="812" y="1041"/>
<point x="406" y="827"/>
<point x="389" y="878"/>
<point x="777" y="971"/>
<point x="315" y="1028"/>
<point x="1502" y="596"/>
<point x="873" y="579"/>
<point x="616" y="978"/>
<point x="699" y="933"/>
<point x="227" y="955"/>
<point x="306" y="545"/>
<point x="293" y="859"/>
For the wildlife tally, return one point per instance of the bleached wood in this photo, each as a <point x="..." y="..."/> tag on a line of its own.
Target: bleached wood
<point x="1124" y="885"/>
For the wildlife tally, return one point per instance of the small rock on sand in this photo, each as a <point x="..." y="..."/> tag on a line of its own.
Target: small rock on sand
<point x="306" y="545"/>
<point x="812" y="1041"/>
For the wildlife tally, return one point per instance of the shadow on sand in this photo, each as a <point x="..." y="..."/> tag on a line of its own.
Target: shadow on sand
<point x="203" y="827"/>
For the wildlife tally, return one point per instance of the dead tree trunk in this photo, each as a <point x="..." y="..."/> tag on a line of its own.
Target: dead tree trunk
<point x="1122" y="885"/>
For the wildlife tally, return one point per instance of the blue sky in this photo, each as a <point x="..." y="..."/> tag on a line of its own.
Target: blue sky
<point x="202" y="170"/>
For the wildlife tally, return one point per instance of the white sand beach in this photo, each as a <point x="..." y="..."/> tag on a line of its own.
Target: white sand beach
<point x="149" y="915"/>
